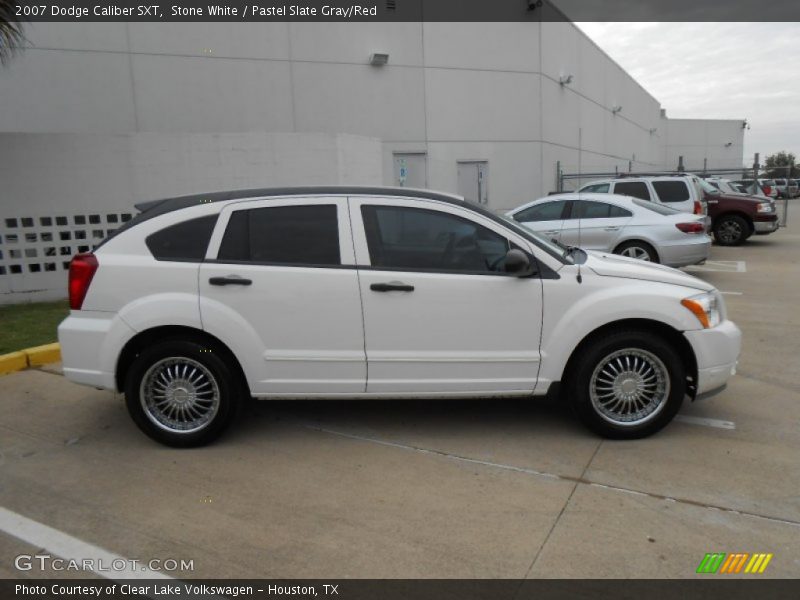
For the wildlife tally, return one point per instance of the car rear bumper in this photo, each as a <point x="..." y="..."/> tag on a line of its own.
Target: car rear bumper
<point x="90" y="345"/>
<point x="685" y="252"/>
<point x="717" y="353"/>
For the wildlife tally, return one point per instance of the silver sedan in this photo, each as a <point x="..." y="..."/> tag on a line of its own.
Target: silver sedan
<point x="619" y="224"/>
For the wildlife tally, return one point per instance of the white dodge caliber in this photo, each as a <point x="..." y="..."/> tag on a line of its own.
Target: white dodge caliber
<point x="340" y="292"/>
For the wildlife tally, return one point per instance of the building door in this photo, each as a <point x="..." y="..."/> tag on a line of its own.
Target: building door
<point x="411" y="169"/>
<point x="473" y="180"/>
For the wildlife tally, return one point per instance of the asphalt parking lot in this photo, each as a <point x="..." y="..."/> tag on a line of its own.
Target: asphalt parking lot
<point x="440" y="489"/>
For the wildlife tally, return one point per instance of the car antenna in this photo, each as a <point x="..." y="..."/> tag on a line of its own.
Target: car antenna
<point x="580" y="136"/>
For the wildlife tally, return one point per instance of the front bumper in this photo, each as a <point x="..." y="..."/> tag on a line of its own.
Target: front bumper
<point x="717" y="353"/>
<point x="762" y="227"/>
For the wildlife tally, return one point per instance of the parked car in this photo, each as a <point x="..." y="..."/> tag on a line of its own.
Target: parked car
<point x="787" y="188"/>
<point x="681" y="192"/>
<point x="795" y="184"/>
<point x="619" y="224"/>
<point x="761" y="187"/>
<point x="379" y="293"/>
<point x="735" y="217"/>
<point x="726" y="186"/>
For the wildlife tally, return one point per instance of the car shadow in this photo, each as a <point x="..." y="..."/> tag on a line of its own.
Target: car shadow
<point x="399" y="416"/>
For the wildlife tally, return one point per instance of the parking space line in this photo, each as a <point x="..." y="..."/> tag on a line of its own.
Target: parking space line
<point x="103" y="562"/>
<point x="719" y="424"/>
<point x="720" y="266"/>
<point x="534" y="472"/>
<point x="732" y="293"/>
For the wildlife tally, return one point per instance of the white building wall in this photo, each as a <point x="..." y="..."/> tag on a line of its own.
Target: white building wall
<point x="716" y="144"/>
<point x="454" y="91"/>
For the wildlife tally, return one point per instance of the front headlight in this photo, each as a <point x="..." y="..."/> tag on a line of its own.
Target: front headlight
<point x="705" y="307"/>
<point x="765" y="207"/>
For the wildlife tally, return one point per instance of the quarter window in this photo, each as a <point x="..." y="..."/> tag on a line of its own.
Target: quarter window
<point x="285" y="235"/>
<point x="186" y="241"/>
<point x="672" y="191"/>
<point x="587" y="209"/>
<point x="420" y="239"/>
<point x="546" y="211"/>
<point x="637" y="189"/>
<point x="596" y="188"/>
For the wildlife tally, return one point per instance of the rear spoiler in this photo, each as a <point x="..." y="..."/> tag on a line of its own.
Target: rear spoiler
<point x="150" y="204"/>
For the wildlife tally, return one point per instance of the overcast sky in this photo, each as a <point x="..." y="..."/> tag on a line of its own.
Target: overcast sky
<point x="716" y="70"/>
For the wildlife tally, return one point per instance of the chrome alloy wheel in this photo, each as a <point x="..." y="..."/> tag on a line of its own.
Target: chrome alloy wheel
<point x="629" y="387"/>
<point x="636" y="252"/>
<point x="729" y="231"/>
<point x="179" y="395"/>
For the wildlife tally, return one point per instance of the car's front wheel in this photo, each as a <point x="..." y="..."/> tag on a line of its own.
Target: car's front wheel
<point x="731" y="230"/>
<point x="181" y="393"/>
<point x="626" y="385"/>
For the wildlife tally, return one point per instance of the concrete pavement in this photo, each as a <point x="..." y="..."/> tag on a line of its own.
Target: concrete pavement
<point x="444" y="489"/>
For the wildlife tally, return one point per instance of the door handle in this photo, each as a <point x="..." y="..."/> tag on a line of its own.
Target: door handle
<point x="553" y="232"/>
<point x="230" y="280"/>
<point x="612" y="228"/>
<point x="394" y="286"/>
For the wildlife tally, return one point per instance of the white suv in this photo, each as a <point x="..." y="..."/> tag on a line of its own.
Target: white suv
<point x="379" y="293"/>
<point x="682" y="192"/>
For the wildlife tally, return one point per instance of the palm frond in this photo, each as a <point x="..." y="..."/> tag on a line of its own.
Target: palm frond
<point x="11" y="36"/>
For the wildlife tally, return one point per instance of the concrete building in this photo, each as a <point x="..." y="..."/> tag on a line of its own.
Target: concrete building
<point x="97" y="116"/>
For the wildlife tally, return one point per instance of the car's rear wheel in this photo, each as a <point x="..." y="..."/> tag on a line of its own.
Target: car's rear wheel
<point x="626" y="385"/>
<point x="181" y="393"/>
<point x="637" y="249"/>
<point x="731" y="230"/>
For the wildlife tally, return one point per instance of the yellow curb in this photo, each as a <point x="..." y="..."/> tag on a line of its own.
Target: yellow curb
<point x="13" y="361"/>
<point x="29" y="357"/>
<point x="42" y="355"/>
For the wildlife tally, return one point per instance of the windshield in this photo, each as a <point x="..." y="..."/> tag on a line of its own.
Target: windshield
<point x="549" y="245"/>
<point x="655" y="207"/>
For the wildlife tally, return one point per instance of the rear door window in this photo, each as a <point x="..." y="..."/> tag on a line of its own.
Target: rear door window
<point x="306" y="235"/>
<point x="672" y="191"/>
<point x="546" y="211"/>
<point x="637" y="189"/>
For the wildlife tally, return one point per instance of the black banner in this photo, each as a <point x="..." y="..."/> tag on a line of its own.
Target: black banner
<point x="713" y="586"/>
<point x="408" y="10"/>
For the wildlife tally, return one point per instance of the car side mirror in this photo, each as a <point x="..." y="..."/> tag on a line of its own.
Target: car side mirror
<point x="518" y="263"/>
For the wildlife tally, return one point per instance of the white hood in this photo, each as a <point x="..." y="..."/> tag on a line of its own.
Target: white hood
<point x="613" y="265"/>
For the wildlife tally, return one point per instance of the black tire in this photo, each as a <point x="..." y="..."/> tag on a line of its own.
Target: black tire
<point x="586" y="373"/>
<point x="210" y="371"/>
<point x="731" y="230"/>
<point x="637" y="249"/>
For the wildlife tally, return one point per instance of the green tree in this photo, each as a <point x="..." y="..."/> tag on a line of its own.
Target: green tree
<point x="775" y="165"/>
<point x="11" y="36"/>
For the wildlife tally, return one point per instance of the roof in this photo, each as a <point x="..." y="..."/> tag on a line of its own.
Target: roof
<point x="159" y="207"/>
<point x="155" y="208"/>
<point x="165" y="205"/>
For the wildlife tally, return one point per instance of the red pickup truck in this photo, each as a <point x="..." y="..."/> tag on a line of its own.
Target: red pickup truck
<point x="735" y="217"/>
